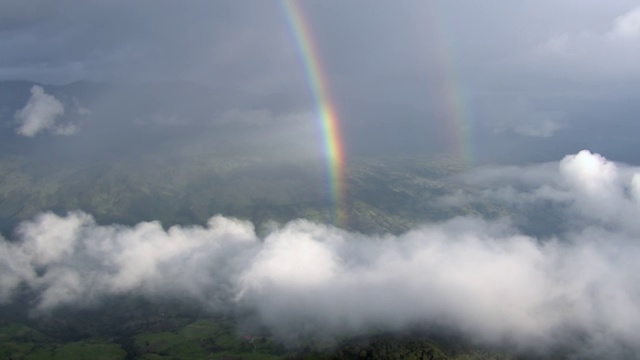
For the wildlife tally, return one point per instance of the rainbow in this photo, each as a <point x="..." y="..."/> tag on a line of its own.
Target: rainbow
<point x="328" y="119"/>
<point x="454" y="100"/>
<point x="456" y="104"/>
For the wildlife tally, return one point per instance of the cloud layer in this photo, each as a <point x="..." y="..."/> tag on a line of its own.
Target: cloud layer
<point x="481" y="279"/>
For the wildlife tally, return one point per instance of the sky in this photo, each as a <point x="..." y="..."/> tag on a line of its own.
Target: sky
<point x="527" y="67"/>
<point x="553" y="77"/>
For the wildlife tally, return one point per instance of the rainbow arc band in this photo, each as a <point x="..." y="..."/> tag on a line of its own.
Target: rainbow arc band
<point x="328" y="119"/>
<point x="456" y="106"/>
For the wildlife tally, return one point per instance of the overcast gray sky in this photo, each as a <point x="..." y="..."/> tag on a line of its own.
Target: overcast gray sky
<point x="518" y="66"/>
<point x="250" y="40"/>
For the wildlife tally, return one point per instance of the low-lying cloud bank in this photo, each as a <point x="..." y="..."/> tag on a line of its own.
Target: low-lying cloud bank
<point x="482" y="279"/>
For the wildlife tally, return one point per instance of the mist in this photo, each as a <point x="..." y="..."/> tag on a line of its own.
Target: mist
<point x="472" y="209"/>
<point x="484" y="280"/>
<point x="557" y="89"/>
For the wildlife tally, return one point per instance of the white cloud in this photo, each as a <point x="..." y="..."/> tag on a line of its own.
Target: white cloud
<point x="609" y="54"/>
<point x="79" y="109"/>
<point x="627" y="26"/>
<point x="593" y="189"/>
<point x="482" y="279"/>
<point x="65" y="129"/>
<point x="40" y="113"/>
<point x="544" y="127"/>
<point x="166" y="120"/>
<point x="520" y="116"/>
<point x="245" y="118"/>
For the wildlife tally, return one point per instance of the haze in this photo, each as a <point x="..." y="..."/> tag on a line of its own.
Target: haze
<point x="176" y="152"/>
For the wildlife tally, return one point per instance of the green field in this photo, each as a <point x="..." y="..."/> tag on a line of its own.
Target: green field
<point x="383" y="194"/>
<point x="216" y="339"/>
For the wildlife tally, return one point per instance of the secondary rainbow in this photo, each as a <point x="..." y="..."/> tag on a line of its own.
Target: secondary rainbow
<point x="454" y="100"/>
<point x="328" y="119"/>
<point x="456" y="105"/>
